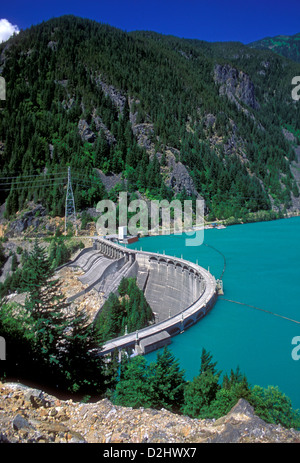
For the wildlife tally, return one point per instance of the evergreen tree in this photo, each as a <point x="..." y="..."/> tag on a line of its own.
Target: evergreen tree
<point x="83" y="367"/>
<point x="131" y="310"/>
<point x="166" y="381"/>
<point x="200" y="393"/>
<point x="45" y="304"/>
<point x="233" y="388"/>
<point x="274" y="407"/>
<point x="3" y="257"/>
<point x="48" y="308"/>
<point x="58" y="253"/>
<point x="14" y="263"/>
<point x="21" y="359"/>
<point x="132" y="389"/>
<point x="123" y="287"/>
<point x="111" y="374"/>
<point x="36" y="268"/>
<point x="207" y="365"/>
<point x="61" y="343"/>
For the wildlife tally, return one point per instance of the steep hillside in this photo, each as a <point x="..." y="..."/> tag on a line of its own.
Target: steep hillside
<point x="166" y="117"/>
<point x="284" y="45"/>
<point x="32" y="416"/>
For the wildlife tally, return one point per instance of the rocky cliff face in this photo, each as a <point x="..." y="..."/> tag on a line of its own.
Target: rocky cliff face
<point x="177" y="175"/>
<point x="30" y="415"/>
<point x="236" y="85"/>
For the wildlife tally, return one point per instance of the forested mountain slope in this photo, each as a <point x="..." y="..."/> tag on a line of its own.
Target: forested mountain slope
<point x="284" y="45"/>
<point x="172" y="117"/>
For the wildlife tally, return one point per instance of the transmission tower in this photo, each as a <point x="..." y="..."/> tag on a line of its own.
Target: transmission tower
<point x="70" y="213"/>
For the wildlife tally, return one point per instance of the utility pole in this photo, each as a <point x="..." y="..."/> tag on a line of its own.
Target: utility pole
<point x="70" y="213"/>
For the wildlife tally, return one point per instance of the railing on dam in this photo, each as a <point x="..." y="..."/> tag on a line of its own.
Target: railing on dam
<point x="176" y="323"/>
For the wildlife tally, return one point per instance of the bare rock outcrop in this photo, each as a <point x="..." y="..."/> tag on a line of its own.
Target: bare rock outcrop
<point x="178" y="177"/>
<point x="113" y="93"/>
<point x="31" y="416"/>
<point x="23" y="221"/>
<point x="85" y="131"/>
<point x="236" y="85"/>
<point x="99" y="125"/>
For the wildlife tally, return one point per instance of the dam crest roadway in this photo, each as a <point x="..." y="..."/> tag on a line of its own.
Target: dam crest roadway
<point x="179" y="292"/>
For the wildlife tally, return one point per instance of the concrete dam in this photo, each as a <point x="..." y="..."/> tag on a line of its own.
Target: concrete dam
<point x="179" y="292"/>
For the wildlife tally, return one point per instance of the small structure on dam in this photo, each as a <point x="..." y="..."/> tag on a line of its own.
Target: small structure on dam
<point x="179" y="292"/>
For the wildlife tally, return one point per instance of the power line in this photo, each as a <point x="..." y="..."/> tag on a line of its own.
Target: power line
<point x="33" y="186"/>
<point x="20" y="178"/>
<point x="33" y="182"/>
<point x="33" y="175"/>
<point x="94" y="180"/>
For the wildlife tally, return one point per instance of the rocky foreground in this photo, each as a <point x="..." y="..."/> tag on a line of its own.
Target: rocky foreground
<point x="31" y="416"/>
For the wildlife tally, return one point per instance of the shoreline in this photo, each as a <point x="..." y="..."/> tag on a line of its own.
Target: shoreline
<point x="223" y="223"/>
<point x="261" y="216"/>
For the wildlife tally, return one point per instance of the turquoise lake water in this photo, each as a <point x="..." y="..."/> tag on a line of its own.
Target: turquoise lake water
<point x="263" y="270"/>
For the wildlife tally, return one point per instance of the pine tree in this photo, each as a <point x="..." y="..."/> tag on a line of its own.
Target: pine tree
<point x="83" y="367"/>
<point x="111" y="374"/>
<point x="206" y="362"/>
<point x="201" y="391"/>
<point x="132" y="389"/>
<point x="21" y="360"/>
<point x="3" y="257"/>
<point x="11" y="205"/>
<point x="123" y="287"/>
<point x="234" y="387"/>
<point x="45" y="304"/>
<point x="166" y="381"/>
<point x="14" y="262"/>
<point x="274" y="406"/>
<point x="132" y="311"/>
<point x="36" y="268"/>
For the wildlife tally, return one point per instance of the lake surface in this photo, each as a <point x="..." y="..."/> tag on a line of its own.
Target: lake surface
<point x="263" y="270"/>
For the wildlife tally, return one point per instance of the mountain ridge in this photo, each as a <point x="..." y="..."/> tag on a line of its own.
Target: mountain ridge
<point x="67" y="77"/>
<point x="285" y="45"/>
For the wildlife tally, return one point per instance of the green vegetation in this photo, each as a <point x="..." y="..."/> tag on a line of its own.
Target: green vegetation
<point x="284" y="45"/>
<point x="53" y="346"/>
<point x="162" y="384"/>
<point x="60" y="251"/>
<point x="46" y="342"/>
<point x="129" y="312"/>
<point x="56" y="74"/>
<point x="2" y="255"/>
<point x="159" y="385"/>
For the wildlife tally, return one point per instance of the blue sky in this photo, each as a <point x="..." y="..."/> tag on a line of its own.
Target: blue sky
<point x="236" y="20"/>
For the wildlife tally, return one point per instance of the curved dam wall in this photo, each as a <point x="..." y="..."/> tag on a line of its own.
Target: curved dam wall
<point x="179" y="292"/>
<point x="170" y="286"/>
